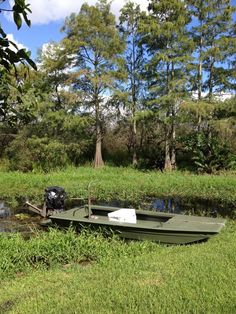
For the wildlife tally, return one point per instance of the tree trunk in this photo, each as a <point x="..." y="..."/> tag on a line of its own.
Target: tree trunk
<point x="173" y="152"/>
<point x="210" y="85"/>
<point x="200" y="79"/>
<point x="142" y="135"/>
<point x="168" y="165"/>
<point x="172" y="131"/>
<point x="199" y="83"/>
<point x="134" y="104"/>
<point x="135" y="158"/>
<point x="199" y="74"/>
<point x="98" y="160"/>
<point x="134" y="136"/>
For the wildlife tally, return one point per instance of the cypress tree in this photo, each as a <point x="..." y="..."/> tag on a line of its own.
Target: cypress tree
<point x="134" y="64"/>
<point x="168" y="46"/>
<point x="94" y="41"/>
<point x="212" y="32"/>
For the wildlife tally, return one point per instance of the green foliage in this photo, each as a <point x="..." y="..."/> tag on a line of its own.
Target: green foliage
<point x="164" y="33"/>
<point x="10" y="55"/>
<point x="209" y="153"/>
<point x="93" y="40"/>
<point x="124" y="184"/>
<point x="134" y="63"/>
<point x="18" y="102"/>
<point x="48" y="154"/>
<point x="151" y="158"/>
<point x="213" y="38"/>
<point x="33" y="118"/>
<point x="54" y="66"/>
<point x="36" y="153"/>
<point x="151" y="67"/>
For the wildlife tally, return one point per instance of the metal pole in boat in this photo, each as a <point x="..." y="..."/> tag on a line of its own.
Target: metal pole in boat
<point x="89" y="200"/>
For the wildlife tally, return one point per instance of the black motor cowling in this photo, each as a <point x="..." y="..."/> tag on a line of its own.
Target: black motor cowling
<point x="54" y="198"/>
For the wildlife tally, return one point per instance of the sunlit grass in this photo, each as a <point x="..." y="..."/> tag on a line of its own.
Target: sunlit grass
<point x="120" y="183"/>
<point x="92" y="274"/>
<point x="57" y="272"/>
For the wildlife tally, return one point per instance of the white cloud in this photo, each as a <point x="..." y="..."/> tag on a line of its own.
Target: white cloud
<point x="46" y="11"/>
<point x="19" y="45"/>
<point x="221" y="96"/>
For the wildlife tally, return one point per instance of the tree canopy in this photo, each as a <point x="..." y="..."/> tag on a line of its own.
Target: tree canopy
<point x="154" y="89"/>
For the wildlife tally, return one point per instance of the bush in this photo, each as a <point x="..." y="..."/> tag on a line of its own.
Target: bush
<point x="19" y="155"/>
<point x="209" y="153"/>
<point x="48" y="154"/>
<point x="36" y="153"/>
<point x="152" y="158"/>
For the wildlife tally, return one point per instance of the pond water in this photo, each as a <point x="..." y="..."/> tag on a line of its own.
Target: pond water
<point x="174" y="205"/>
<point x="17" y="220"/>
<point x="22" y="220"/>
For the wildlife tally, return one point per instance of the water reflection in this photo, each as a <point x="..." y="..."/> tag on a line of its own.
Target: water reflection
<point x="9" y="222"/>
<point x="175" y="205"/>
<point x="26" y="227"/>
<point x="166" y="205"/>
<point x="4" y="210"/>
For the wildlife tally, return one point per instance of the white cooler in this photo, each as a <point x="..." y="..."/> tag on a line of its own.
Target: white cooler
<point x="123" y="215"/>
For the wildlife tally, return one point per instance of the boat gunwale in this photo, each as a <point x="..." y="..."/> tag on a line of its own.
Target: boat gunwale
<point x="163" y="228"/>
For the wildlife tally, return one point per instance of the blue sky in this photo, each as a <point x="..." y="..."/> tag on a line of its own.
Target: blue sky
<point x="34" y="37"/>
<point x="47" y="19"/>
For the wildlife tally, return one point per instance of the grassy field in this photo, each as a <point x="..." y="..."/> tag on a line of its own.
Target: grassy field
<point x="120" y="183"/>
<point x="63" y="273"/>
<point x="57" y="272"/>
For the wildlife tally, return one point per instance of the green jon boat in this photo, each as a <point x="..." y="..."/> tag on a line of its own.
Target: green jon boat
<point x="128" y="223"/>
<point x="155" y="226"/>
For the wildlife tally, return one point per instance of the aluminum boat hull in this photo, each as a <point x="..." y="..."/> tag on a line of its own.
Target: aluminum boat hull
<point x="155" y="226"/>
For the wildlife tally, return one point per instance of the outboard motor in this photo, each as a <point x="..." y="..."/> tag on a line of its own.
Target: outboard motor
<point x="54" y="198"/>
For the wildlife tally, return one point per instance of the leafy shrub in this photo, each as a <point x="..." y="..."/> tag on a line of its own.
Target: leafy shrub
<point x="209" y="153"/>
<point x="152" y="158"/>
<point x="79" y="153"/>
<point x="48" y="154"/>
<point x="19" y="155"/>
<point x="36" y="153"/>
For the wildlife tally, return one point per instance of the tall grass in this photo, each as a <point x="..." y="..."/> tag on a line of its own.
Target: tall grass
<point x="120" y="183"/>
<point x="48" y="249"/>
